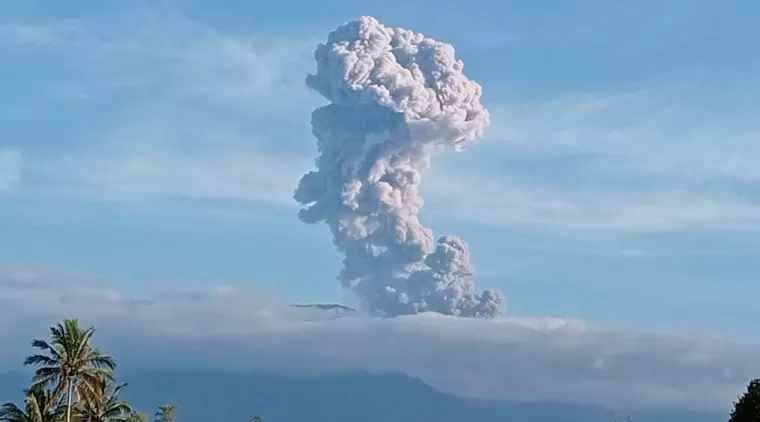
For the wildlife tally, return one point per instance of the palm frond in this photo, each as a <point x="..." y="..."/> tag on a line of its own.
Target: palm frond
<point x="9" y="412"/>
<point x="38" y="359"/>
<point x="47" y="375"/>
<point x="35" y="405"/>
<point x="82" y="339"/>
<point x="118" y="409"/>
<point x="102" y="361"/>
<point x="44" y="346"/>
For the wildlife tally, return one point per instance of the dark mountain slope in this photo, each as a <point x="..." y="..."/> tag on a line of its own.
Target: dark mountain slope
<point x="221" y="396"/>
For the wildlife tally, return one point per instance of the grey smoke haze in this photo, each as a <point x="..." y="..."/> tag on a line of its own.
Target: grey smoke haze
<point x="396" y="97"/>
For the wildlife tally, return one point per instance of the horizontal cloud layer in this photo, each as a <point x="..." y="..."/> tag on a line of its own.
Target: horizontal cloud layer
<point x="518" y="358"/>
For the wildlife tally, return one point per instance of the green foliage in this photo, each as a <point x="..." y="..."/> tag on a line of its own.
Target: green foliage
<point x="747" y="408"/>
<point x="69" y="363"/>
<point x="75" y="382"/>
<point x="38" y="407"/>
<point x="100" y="403"/>
<point x="137" y="417"/>
<point x="167" y="413"/>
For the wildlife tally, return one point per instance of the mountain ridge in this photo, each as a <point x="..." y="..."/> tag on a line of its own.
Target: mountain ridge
<point x="206" y="395"/>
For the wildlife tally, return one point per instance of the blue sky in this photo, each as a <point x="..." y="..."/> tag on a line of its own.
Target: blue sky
<point x="159" y="145"/>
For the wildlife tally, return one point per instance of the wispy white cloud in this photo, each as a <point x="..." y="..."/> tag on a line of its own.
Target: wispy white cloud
<point x="659" y="171"/>
<point x="49" y="34"/>
<point x="633" y="162"/>
<point x="31" y="279"/>
<point x="193" y="98"/>
<point x="11" y="167"/>
<point x="640" y="161"/>
<point x="489" y="200"/>
<point x="645" y="133"/>
<point x="190" y="64"/>
<point x="518" y="358"/>
<point x="243" y="176"/>
<point x="249" y="74"/>
<point x="164" y="158"/>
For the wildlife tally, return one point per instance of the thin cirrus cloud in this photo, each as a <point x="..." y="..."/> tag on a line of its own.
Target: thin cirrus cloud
<point x="658" y="175"/>
<point x="247" y="176"/>
<point x="50" y="34"/>
<point x="160" y="143"/>
<point x="254" y="74"/>
<point x="584" y="173"/>
<point x="513" y="203"/>
<point x="175" y="60"/>
<point x="11" y="167"/>
<point x="511" y="357"/>
<point x="639" y="162"/>
<point x="655" y="133"/>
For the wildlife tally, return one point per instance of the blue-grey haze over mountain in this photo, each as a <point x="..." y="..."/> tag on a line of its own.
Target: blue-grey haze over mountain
<point x="346" y="397"/>
<point x="149" y="154"/>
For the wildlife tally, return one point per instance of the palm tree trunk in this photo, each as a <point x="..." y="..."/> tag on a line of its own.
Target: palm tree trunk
<point x="69" y="387"/>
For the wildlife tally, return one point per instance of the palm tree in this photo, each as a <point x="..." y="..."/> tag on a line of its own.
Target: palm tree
<point x="100" y="403"/>
<point x="137" y="417"/>
<point x="167" y="413"/>
<point x="69" y="361"/>
<point x="38" y="407"/>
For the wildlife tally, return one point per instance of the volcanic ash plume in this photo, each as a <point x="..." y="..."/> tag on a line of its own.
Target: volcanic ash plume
<point x="395" y="97"/>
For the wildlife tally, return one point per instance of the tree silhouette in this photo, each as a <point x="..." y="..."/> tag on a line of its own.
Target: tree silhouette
<point x="747" y="408"/>
<point x="167" y="413"/>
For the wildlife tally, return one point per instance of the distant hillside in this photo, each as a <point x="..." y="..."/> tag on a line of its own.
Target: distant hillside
<point x="326" y="307"/>
<point x="356" y="397"/>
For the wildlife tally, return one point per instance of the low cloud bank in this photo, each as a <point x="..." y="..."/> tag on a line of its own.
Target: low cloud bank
<point x="509" y="357"/>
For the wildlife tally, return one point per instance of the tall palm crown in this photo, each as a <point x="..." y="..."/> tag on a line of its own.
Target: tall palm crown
<point x="100" y="403"/>
<point x="68" y="361"/>
<point x="38" y="407"/>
